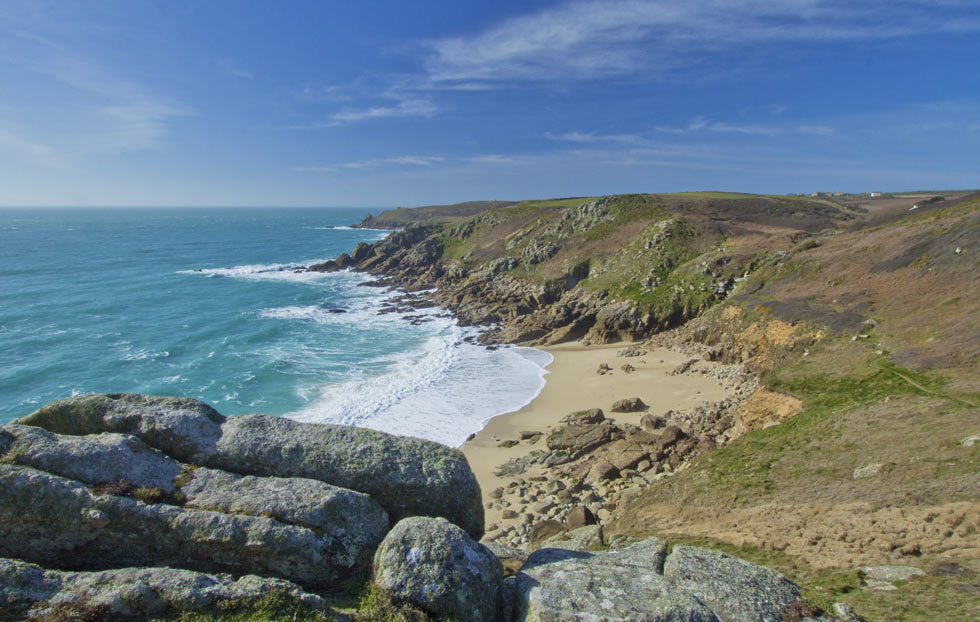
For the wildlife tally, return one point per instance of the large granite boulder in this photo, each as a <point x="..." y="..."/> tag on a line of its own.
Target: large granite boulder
<point x="350" y="524"/>
<point x="641" y="582"/>
<point x="732" y="587"/>
<point x="407" y="476"/>
<point x="558" y="585"/>
<point x="580" y="438"/>
<point x="105" y="458"/>
<point x="60" y="523"/>
<point x="437" y="566"/>
<point x="180" y="427"/>
<point x="31" y="592"/>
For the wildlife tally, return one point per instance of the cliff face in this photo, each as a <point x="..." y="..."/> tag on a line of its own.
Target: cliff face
<point x="601" y="269"/>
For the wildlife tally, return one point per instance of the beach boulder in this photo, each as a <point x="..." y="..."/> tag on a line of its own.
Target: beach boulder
<point x="437" y="566"/>
<point x="578" y="439"/>
<point x="407" y="476"/>
<point x="628" y="405"/>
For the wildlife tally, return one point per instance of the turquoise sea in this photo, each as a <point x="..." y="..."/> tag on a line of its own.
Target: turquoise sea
<point x="202" y="303"/>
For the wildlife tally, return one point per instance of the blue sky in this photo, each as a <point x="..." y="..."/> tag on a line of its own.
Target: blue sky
<point x="376" y="103"/>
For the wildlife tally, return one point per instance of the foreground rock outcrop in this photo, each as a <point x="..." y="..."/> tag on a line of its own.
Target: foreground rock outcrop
<point x="31" y="592"/>
<point x="643" y="582"/>
<point x="435" y="565"/>
<point x="105" y="482"/>
<point x="407" y="476"/>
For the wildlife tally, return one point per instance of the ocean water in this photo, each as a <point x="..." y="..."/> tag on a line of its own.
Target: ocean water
<point x="203" y="303"/>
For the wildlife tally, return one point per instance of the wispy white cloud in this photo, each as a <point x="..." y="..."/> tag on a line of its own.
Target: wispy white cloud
<point x="405" y="160"/>
<point x="230" y="68"/>
<point x="700" y="124"/>
<point x="610" y="38"/>
<point x="589" y="137"/>
<point x="19" y="147"/>
<point x="817" y="130"/>
<point x="408" y="107"/>
<point x="112" y="112"/>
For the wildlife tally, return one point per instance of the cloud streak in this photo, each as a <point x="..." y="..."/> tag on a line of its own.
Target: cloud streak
<point x="586" y="40"/>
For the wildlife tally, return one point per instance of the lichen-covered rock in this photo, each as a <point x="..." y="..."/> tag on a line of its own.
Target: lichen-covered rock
<point x="641" y="582"/>
<point x="60" y="523"/>
<point x="407" y="476"/>
<point x="558" y="585"/>
<point x="96" y="459"/>
<point x="180" y="427"/>
<point x="31" y="592"/>
<point x="735" y="589"/>
<point x="437" y="566"/>
<point x="350" y="522"/>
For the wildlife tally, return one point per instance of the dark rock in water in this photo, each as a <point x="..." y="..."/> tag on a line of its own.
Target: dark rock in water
<point x="361" y="252"/>
<point x="336" y="310"/>
<point x="327" y="266"/>
<point x="130" y="594"/>
<point x="407" y="476"/>
<point x="435" y="565"/>
<point x="343" y="261"/>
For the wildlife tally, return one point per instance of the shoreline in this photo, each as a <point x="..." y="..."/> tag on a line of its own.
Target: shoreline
<point x="573" y="384"/>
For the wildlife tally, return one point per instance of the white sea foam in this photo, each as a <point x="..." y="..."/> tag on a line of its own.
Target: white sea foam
<point x="145" y="355"/>
<point x="443" y="392"/>
<point x="279" y="271"/>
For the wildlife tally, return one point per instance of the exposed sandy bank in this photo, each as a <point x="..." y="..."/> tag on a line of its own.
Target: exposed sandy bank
<point x="572" y="385"/>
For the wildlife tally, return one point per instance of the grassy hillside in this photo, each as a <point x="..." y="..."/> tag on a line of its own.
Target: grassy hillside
<point x="878" y="467"/>
<point x="404" y="216"/>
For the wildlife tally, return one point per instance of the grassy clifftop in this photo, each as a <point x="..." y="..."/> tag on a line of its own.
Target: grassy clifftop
<point x="670" y="257"/>
<point x="877" y="331"/>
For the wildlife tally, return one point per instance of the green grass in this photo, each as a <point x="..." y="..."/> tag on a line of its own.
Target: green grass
<point x="625" y="209"/>
<point x="713" y="195"/>
<point x="571" y="202"/>
<point x="949" y="591"/>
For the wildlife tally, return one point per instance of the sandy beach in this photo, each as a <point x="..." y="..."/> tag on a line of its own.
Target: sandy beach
<point x="573" y="384"/>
